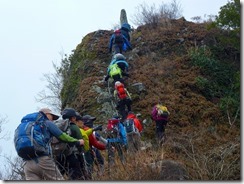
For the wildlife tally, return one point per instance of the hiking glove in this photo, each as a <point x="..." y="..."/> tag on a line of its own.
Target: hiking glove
<point x="100" y="127"/>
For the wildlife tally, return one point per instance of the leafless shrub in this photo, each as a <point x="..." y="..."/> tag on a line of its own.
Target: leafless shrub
<point x="3" y="120"/>
<point x="206" y="19"/>
<point x="13" y="168"/>
<point x="152" y="16"/>
<point x="220" y="163"/>
<point x="51" y="96"/>
<point x="146" y="15"/>
<point x="171" y="11"/>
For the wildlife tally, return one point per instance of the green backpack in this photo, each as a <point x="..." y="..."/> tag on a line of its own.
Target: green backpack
<point x="114" y="70"/>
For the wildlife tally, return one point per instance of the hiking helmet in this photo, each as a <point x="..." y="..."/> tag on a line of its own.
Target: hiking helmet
<point x="68" y="113"/>
<point x="119" y="56"/>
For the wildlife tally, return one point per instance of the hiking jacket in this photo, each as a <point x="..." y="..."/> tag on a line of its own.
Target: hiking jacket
<point x="94" y="142"/>
<point x="49" y="130"/>
<point x="122" y="135"/>
<point x="136" y="121"/>
<point x="155" y="116"/>
<point x="111" y="42"/>
<point x="85" y="134"/>
<point x="122" y="64"/>
<point x="125" y="33"/>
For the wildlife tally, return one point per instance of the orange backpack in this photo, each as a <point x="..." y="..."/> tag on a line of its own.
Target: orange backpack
<point x="121" y="91"/>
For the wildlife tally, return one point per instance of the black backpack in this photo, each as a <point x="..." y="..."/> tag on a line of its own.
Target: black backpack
<point x="118" y="37"/>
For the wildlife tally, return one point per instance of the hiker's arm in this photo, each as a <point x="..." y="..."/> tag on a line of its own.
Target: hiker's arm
<point x="154" y="113"/>
<point x="115" y="93"/>
<point x="93" y="141"/>
<point x="123" y="133"/>
<point x="56" y="132"/>
<point x="66" y="138"/>
<point x="128" y="93"/>
<point x="111" y="43"/>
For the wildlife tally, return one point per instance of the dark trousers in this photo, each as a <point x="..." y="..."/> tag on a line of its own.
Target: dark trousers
<point x="160" y="129"/>
<point x="118" y="48"/>
<point x="74" y="167"/>
<point x="89" y="161"/>
<point x="99" y="157"/>
<point x="121" y="107"/>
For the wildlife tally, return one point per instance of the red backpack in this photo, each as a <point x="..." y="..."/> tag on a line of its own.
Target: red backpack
<point x="121" y="91"/>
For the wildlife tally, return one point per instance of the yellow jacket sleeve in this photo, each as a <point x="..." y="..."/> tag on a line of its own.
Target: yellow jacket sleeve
<point x="86" y="139"/>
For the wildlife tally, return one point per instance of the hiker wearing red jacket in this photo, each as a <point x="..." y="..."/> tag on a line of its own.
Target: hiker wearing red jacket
<point x="137" y="122"/>
<point x="123" y="99"/>
<point x="133" y="134"/>
<point x="95" y="145"/>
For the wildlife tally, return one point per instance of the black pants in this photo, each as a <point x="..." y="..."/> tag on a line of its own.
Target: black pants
<point x="75" y="171"/>
<point x="89" y="161"/>
<point x="121" y="107"/>
<point x="99" y="157"/>
<point x="118" y="48"/>
<point x="160" y="129"/>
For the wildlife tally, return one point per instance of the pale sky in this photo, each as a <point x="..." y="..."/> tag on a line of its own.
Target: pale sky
<point x="33" y="33"/>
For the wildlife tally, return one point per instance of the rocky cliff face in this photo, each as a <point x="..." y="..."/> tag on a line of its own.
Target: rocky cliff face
<point x="160" y="71"/>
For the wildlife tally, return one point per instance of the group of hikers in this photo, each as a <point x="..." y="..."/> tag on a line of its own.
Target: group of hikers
<point x="67" y="146"/>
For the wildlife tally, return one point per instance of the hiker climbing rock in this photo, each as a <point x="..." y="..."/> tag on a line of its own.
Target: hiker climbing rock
<point x="39" y="164"/>
<point x="116" y="137"/>
<point x="71" y="161"/>
<point x="123" y="98"/>
<point x="160" y="115"/>
<point x="94" y="144"/>
<point x="125" y="30"/>
<point x="120" y="60"/>
<point x="133" y="129"/>
<point x="117" y="41"/>
<point x="115" y="72"/>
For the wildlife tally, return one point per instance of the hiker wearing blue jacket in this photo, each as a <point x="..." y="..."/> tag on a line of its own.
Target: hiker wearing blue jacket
<point x="122" y="67"/>
<point x="117" y="138"/>
<point x="118" y="43"/>
<point x="125" y="30"/>
<point x="39" y="164"/>
<point x="121" y="61"/>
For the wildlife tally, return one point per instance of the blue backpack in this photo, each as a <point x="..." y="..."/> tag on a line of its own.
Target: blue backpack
<point x="29" y="139"/>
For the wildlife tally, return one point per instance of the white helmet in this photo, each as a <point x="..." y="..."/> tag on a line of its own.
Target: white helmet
<point x="117" y="83"/>
<point x="119" y="56"/>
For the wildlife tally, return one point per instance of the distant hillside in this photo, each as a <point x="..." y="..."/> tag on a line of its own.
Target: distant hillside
<point x="162" y="60"/>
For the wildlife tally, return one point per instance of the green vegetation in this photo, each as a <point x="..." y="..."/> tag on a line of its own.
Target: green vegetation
<point x="220" y="79"/>
<point x="221" y="74"/>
